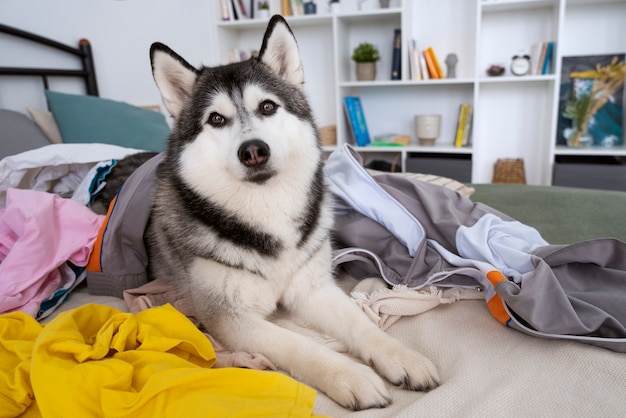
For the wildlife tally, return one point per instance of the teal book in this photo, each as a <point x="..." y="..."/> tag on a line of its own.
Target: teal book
<point x="356" y="120"/>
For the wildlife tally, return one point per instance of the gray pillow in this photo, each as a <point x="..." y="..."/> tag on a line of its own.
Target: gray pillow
<point x="18" y="133"/>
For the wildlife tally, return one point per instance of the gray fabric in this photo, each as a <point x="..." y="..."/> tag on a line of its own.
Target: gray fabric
<point x="18" y="134"/>
<point x="440" y="210"/>
<point x="123" y="257"/>
<point x="576" y="291"/>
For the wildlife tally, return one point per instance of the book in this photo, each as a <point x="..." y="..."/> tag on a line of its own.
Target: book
<point x="241" y="9"/>
<point x="285" y="7"/>
<point x="542" y="57"/>
<point x="423" y="67"/>
<point x="430" y="65"/>
<point x="467" y="132"/>
<point x="414" y="60"/>
<point x="410" y="48"/>
<point x="546" y="67"/>
<point x="356" y="120"/>
<point x="461" y="125"/>
<point x="297" y="7"/>
<point x="391" y="139"/>
<point x="606" y="126"/>
<point x="225" y="10"/>
<point x="396" y="58"/>
<point x="440" y="73"/>
<point x="535" y="53"/>
<point x="233" y="11"/>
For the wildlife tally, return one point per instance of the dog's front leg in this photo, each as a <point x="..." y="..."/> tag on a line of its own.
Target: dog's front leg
<point x="233" y="306"/>
<point x="348" y="383"/>
<point x="316" y="300"/>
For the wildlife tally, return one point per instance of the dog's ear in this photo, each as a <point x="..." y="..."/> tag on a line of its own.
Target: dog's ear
<point x="280" y="51"/>
<point x="174" y="77"/>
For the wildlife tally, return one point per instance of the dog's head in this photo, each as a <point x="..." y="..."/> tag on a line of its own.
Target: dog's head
<point x="248" y="121"/>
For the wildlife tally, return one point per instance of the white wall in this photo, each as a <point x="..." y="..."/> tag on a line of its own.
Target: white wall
<point x="120" y="33"/>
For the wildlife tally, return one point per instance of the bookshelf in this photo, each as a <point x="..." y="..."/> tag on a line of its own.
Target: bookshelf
<point x="513" y="117"/>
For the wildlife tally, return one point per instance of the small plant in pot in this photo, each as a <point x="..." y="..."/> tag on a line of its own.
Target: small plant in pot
<point x="264" y="10"/>
<point x="365" y="55"/>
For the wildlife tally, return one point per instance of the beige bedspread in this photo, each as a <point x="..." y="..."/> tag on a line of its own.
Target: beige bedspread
<point x="491" y="371"/>
<point x="488" y="370"/>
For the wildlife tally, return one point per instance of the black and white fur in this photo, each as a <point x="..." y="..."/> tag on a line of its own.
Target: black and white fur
<point x="241" y="223"/>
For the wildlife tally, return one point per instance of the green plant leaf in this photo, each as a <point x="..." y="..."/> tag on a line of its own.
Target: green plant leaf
<point x="365" y="52"/>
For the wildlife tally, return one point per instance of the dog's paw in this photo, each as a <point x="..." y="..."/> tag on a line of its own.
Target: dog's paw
<point x="405" y="368"/>
<point x="358" y="388"/>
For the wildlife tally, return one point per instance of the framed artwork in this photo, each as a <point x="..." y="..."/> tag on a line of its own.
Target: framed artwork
<point x="606" y="126"/>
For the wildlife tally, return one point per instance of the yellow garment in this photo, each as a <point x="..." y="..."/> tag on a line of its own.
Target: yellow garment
<point x="18" y="332"/>
<point x="95" y="361"/>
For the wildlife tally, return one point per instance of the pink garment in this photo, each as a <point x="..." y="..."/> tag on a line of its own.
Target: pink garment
<point x="39" y="232"/>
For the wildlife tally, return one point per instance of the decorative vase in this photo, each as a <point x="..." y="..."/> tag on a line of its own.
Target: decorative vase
<point x="577" y="138"/>
<point x="384" y="4"/>
<point x="427" y="129"/>
<point x="366" y="71"/>
<point x="335" y="7"/>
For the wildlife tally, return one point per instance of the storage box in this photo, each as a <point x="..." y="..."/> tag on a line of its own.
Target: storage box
<point x="608" y="174"/>
<point x="457" y="167"/>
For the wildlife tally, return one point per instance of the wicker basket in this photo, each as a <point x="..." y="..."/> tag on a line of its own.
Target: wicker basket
<point x="509" y="171"/>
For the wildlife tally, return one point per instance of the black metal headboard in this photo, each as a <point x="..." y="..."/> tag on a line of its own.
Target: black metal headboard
<point x="88" y="72"/>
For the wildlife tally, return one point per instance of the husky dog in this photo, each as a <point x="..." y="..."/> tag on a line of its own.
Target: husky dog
<point x="241" y="223"/>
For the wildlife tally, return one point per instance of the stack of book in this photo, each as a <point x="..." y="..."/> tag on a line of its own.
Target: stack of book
<point x="292" y="7"/>
<point x="542" y="58"/>
<point x="249" y="9"/>
<point x="235" y="10"/>
<point x="424" y="65"/>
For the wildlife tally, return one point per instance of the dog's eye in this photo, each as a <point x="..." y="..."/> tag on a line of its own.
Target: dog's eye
<point x="215" y="119"/>
<point x="267" y="107"/>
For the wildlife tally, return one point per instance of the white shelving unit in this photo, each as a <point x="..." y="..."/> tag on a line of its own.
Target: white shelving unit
<point x="514" y="117"/>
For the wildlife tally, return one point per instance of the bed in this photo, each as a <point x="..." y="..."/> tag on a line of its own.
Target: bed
<point x="486" y="369"/>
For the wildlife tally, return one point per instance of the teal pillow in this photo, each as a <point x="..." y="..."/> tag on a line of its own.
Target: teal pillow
<point x="85" y="119"/>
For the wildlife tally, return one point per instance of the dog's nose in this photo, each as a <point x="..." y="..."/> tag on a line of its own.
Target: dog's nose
<point x="254" y="153"/>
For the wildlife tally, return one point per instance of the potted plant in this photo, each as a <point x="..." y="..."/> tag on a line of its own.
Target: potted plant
<point x="264" y="10"/>
<point x="334" y="6"/>
<point x="365" y="55"/>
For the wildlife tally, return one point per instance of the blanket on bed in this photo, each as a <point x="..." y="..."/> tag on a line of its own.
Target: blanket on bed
<point x="417" y="234"/>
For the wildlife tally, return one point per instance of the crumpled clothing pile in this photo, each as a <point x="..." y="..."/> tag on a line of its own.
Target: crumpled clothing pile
<point x="97" y="361"/>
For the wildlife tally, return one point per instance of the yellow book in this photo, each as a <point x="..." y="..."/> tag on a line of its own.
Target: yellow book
<point x="285" y="7"/>
<point x="461" y="125"/>
<point x="440" y="73"/>
<point x="432" y="70"/>
<point x="468" y="126"/>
